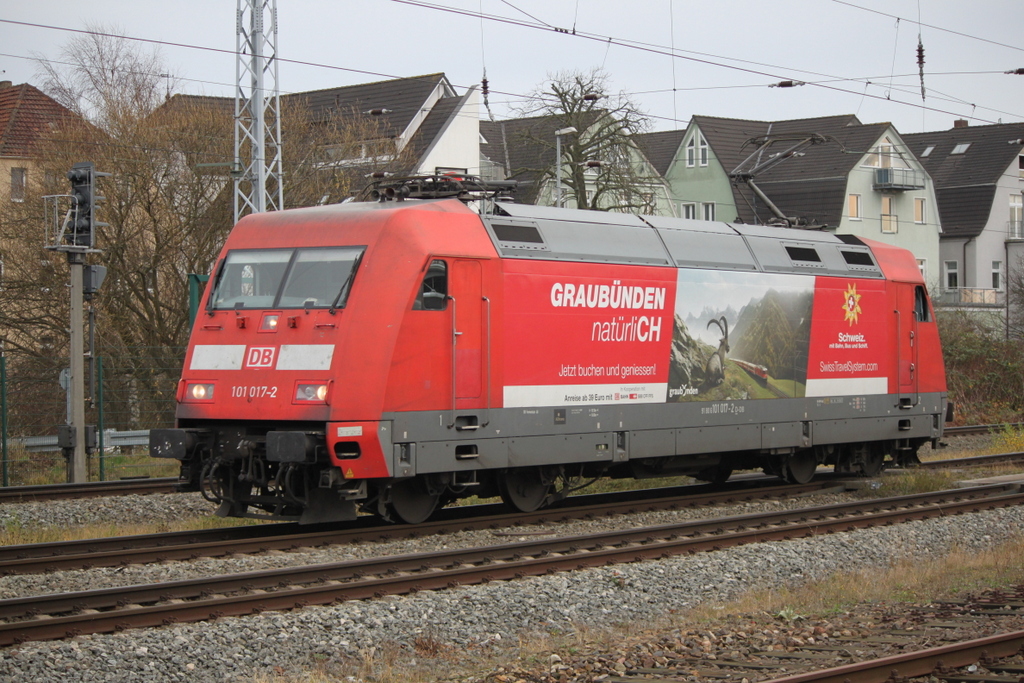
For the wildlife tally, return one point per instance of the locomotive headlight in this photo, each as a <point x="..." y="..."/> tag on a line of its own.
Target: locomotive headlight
<point x="316" y="393"/>
<point x="199" y="392"/>
<point x="269" y="323"/>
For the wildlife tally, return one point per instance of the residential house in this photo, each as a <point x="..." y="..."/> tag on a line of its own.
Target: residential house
<point x="979" y="177"/>
<point x="420" y="119"/>
<point x="25" y="115"/>
<point x="525" y="150"/>
<point x="830" y="173"/>
<point x="420" y="112"/>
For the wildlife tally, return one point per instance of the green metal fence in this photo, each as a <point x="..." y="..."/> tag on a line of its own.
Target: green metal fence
<point x="131" y="391"/>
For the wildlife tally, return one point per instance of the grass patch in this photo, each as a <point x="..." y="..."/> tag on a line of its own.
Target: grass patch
<point x="35" y="469"/>
<point x="960" y="572"/>
<point x="14" y="532"/>
<point x="910" y="481"/>
<point x="1008" y="439"/>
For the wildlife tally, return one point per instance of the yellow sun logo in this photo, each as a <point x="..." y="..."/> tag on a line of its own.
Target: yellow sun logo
<point x="851" y="306"/>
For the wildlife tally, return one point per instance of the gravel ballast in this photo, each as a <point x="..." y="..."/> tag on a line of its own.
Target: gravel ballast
<point x="487" y="616"/>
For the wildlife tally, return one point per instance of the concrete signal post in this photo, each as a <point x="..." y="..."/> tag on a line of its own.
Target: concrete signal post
<point x="75" y="235"/>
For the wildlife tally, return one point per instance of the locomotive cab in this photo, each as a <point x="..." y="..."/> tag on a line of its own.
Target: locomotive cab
<point x="280" y="401"/>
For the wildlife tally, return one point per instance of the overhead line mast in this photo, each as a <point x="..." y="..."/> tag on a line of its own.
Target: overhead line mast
<point x="257" y="173"/>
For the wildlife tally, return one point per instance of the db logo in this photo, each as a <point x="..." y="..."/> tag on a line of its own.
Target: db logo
<point x="260" y="357"/>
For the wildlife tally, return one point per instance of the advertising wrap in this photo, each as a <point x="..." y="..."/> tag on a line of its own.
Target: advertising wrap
<point x="610" y="334"/>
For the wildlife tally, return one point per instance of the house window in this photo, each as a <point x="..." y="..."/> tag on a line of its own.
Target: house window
<point x="922" y="265"/>
<point x="1016" y="224"/>
<point x="927" y="150"/>
<point x="18" y="182"/>
<point x="697" y="147"/>
<point x="709" y="210"/>
<point x="961" y="148"/>
<point x="854" y="204"/>
<point x="952" y="274"/>
<point x="885" y="154"/>
<point x="919" y="213"/>
<point x="1020" y="165"/>
<point x="690" y="211"/>
<point x="997" y="275"/>
<point x="890" y="222"/>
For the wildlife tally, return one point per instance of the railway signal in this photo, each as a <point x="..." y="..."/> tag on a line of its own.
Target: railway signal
<point x="83" y="223"/>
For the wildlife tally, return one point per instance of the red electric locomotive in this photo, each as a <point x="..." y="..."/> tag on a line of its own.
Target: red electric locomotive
<point x="392" y="356"/>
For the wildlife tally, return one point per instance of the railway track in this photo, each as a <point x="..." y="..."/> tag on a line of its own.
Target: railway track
<point x="92" y="489"/>
<point x="978" y="640"/>
<point x="66" y="615"/>
<point x="188" y="545"/>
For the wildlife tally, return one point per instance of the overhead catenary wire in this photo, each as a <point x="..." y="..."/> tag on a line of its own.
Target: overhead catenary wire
<point x="543" y="26"/>
<point x="686" y="55"/>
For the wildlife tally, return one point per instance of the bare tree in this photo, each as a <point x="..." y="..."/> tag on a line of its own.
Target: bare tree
<point x="328" y="156"/>
<point x="602" y="167"/>
<point x="104" y="77"/>
<point x="168" y="208"/>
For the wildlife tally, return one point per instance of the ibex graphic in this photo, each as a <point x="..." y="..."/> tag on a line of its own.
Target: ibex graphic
<point x="714" y="371"/>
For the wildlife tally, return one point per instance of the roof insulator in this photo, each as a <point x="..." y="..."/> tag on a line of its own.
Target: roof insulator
<point x="1016" y="72"/>
<point x="786" y="84"/>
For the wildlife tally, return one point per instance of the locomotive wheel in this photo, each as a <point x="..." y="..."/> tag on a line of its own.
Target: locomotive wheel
<point x="872" y="461"/>
<point x="800" y="466"/>
<point x="524" y="489"/>
<point x="411" y="502"/>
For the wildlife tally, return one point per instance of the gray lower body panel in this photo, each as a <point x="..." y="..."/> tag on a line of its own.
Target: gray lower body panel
<point x="523" y="437"/>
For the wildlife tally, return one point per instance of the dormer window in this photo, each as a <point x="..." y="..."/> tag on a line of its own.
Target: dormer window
<point x="696" y="147"/>
<point x="961" y="148"/>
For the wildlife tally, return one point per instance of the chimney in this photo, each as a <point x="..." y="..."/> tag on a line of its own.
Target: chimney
<point x="5" y="84"/>
<point x="960" y="123"/>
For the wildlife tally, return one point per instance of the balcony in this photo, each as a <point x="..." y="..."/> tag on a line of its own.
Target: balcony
<point x="1015" y="230"/>
<point x="898" y="179"/>
<point x="971" y="297"/>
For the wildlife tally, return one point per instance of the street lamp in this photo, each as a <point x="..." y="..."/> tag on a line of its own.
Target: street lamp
<point x="558" y="162"/>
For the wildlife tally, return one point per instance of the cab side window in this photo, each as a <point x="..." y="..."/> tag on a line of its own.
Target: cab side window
<point x="433" y="294"/>
<point x="921" y="305"/>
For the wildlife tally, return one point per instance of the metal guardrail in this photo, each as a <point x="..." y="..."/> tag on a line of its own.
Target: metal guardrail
<point x="111" y="439"/>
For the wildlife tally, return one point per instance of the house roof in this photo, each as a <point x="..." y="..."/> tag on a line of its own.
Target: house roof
<point x="440" y="117"/>
<point x="965" y="184"/>
<point x="660" y="148"/>
<point x="527" y="157"/>
<point x="810" y="186"/>
<point x="402" y="97"/>
<point x="25" y="114"/>
<point x="526" y="147"/>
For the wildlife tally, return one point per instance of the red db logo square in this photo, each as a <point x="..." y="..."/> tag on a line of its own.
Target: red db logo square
<point x="260" y="357"/>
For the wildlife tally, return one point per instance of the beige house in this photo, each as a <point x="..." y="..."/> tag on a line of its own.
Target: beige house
<point x="25" y="114"/>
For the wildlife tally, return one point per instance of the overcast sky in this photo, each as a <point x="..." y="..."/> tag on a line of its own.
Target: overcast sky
<point x="855" y="55"/>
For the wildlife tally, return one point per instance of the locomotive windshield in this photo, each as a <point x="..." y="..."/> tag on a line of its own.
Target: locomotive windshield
<point x="286" y="278"/>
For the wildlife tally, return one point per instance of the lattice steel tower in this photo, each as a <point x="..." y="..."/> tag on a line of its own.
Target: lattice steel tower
<point x="258" y="178"/>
